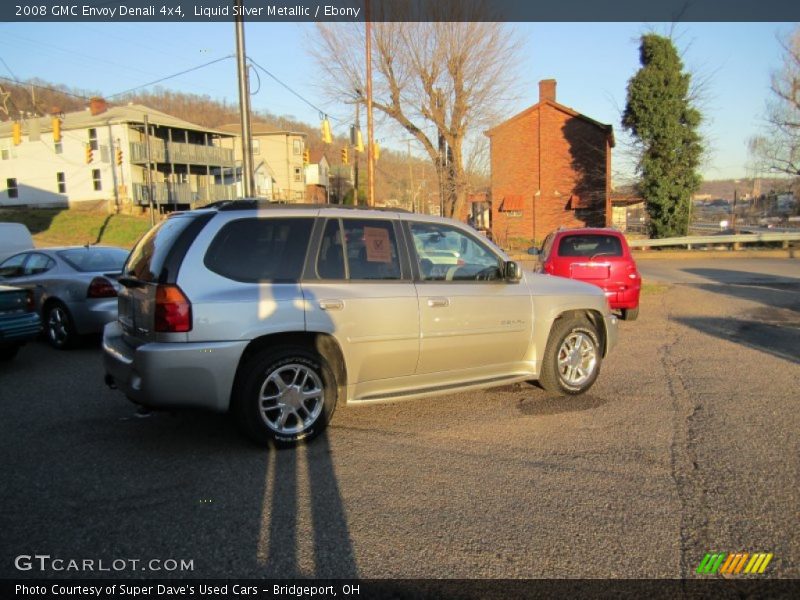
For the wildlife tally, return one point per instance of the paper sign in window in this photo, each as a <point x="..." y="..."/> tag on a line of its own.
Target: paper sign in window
<point x="378" y="245"/>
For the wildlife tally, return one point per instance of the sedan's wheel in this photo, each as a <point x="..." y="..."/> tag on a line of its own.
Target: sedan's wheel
<point x="572" y="357"/>
<point x="58" y="327"/>
<point x="630" y="314"/>
<point x="285" y="397"/>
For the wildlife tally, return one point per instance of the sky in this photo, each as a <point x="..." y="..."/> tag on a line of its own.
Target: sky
<point x="592" y="63"/>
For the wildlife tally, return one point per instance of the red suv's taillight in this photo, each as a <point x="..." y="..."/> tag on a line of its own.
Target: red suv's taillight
<point x="100" y="287"/>
<point x="173" y="312"/>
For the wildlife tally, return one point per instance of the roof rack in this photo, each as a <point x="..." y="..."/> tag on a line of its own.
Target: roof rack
<point x="255" y="203"/>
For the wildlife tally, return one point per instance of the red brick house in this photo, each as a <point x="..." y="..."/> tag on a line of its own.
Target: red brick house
<point x="551" y="168"/>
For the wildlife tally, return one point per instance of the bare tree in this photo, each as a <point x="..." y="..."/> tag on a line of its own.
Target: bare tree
<point x="440" y="81"/>
<point x="778" y="149"/>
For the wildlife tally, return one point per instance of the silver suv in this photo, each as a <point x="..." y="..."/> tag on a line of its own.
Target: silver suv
<point x="278" y="312"/>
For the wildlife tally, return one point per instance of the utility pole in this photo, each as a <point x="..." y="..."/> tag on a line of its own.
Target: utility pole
<point x="410" y="177"/>
<point x="370" y="133"/>
<point x="244" y="106"/>
<point x="149" y="171"/>
<point x="354" y="143"/>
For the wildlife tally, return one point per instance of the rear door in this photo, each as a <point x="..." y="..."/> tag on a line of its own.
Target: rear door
<point x="358" y="288"/>
<point x="597" y="258"/>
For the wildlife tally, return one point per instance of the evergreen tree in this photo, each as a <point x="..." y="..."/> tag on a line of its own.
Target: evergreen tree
<point x="660" y="115"/>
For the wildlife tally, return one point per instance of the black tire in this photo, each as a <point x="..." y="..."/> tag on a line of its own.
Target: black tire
<point x="58" y="326"/>
<point x="630" y="314"/>
<point x="556" y="375"/>
<point x="9" y="352"/>
<point x="306" y="418"/>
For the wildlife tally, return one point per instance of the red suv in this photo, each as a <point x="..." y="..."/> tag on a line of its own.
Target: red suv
<point x="598" y="256"/>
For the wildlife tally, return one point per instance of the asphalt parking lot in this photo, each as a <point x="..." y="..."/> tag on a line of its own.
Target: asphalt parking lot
<point x="687" y="444"/>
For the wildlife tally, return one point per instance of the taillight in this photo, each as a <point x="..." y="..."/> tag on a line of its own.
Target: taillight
<point x="632" y="272"/>
<point x="173" y="312"/>
<point x="100" y="287"/>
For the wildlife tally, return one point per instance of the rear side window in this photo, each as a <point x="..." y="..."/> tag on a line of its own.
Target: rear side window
<point x="588" y="246"/>
<point x="94" y="259"/>
<point x="363" y="249"/>
<point x="254" y="249"/>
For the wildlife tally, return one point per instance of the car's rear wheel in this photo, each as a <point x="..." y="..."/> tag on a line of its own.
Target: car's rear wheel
<point x="59" y="328"/>
<point x="630" y="314"/>
<point x="572" y="357"/>
<point x="9" y="352"/>
<point x="285" y="396"/>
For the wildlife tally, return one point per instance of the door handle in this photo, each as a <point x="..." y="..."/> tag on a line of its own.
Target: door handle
<point x="331" y="304"/>
<point x="438" y="302"/>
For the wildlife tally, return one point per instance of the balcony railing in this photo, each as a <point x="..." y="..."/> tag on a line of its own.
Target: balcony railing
<point x="182" y="193"/>
<point x="181" y="153"/>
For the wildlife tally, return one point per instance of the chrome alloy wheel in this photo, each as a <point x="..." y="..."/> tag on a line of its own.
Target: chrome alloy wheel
<point x="291" y="399"/>
<point x="58" y="326"/>
<point x="577" y="359"/>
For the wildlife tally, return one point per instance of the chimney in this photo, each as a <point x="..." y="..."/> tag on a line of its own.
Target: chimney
<point x="97" y="105"/>
<point x="547" y="90"/>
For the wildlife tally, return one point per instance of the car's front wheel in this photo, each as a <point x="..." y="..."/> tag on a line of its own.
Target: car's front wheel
<point x="285" y="396"/>
<point x="572" y="357"/>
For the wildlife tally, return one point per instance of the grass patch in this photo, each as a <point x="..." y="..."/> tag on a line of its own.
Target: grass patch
<point x="64" y="227"/>
<point x="654" y="287"/>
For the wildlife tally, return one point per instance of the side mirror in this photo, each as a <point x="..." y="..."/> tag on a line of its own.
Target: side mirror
<point x="512" y="271"/>
<point x="534" y="251"/>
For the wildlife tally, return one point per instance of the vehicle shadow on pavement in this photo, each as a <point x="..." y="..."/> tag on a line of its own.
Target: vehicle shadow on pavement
<point x="777" y="340"/>
<point x="556" y="405"/>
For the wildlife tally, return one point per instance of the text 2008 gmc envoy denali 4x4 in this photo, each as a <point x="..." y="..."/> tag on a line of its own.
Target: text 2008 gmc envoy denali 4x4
<point x="279" y="312"/>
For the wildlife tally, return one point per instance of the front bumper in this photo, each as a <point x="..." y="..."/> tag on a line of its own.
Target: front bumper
<point x="612" y="334"/>
<point x="169" y="375"/>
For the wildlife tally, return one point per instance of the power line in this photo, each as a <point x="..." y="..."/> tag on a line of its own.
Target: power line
<point x="144" y="85"/>
<point x="311" y="104"/>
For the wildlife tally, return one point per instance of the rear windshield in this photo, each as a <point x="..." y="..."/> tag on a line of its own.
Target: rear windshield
<point x="590" y="245"/>
<point x="148" y="257"/>
<point x="94" y="259"/>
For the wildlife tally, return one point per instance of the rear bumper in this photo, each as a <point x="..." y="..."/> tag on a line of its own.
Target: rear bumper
<point x="168" y="375"/>
<point x="91" y="316"/>
<point x="610" y="322"/>
<point x="627" y="298"/>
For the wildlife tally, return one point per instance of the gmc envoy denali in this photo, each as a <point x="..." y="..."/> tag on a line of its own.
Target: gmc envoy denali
<point x="278" y="312"/>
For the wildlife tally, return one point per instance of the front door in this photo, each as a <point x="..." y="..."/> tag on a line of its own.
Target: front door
<point x="471" y="317"/>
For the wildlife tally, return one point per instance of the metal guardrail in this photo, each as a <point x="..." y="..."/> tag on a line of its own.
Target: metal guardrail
<point x="713" y="240"/>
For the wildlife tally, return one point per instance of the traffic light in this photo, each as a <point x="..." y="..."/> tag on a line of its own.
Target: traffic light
<point x="359" y="145"/>
<point x="16" y="133"/>
<point x="119" y="156"/>
<point x="56" y="129"/>
<point x="306" y="156"/>
<point x="345" y="158"/>
<point x="89" y="154"/>
<point x="327" y="138"/>
<point x="376" y="151"/>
